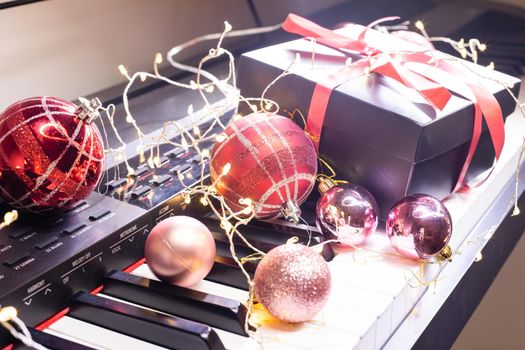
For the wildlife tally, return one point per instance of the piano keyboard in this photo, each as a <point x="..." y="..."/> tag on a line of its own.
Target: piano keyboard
<point x="133" y="309"/>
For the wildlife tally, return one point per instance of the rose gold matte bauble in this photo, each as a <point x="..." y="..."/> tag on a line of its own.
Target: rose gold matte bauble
<point x="180" y="250"/>
<point x="293" y="282"/>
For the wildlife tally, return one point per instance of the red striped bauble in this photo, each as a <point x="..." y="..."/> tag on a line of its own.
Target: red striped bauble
<point x="273" y="162"/>
<point x="49" y="157"/>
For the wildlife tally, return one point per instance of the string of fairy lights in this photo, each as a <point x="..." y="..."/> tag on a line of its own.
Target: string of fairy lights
<point x="192" y="137"/>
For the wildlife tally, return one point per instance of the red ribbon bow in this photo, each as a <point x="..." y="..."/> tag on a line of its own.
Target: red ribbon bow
<point x="418" y="69"/>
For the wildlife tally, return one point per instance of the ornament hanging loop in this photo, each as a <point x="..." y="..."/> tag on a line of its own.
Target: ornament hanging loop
<point x="88" y="110"/>
<point x="291" y="211"/>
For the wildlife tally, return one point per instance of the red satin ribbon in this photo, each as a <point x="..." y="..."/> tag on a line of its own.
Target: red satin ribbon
<point x="434" y="82"/>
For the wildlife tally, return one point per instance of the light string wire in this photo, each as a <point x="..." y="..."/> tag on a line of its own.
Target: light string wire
<point x="230" y="220"/>
<point x="15" y="326"/>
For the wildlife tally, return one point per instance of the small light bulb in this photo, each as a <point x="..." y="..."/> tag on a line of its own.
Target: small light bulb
<point x="419" y="25"/>
<point x="204" y="201"/>
<point x="8" y="313"/>
<point x="158" y="58"/>
<point x="226" y="225"/>
<point x="210" y="88"/>
<point x="129" y="118"/>
<point x="220" y="138"/>
<point x="122" y="70"/>
<point x="226" y="169"/>
<point x="190" y="109"/>
<point x="156" y="161"/>
<point x="10" y="217"/>
<point x="482" y="47"/>
<point x="491" y="65"/>
<point x="227" y="26"/>
<point x="478" y="256"/>
<point x="187" y="199"/>
<point x="205" y="153"/>
<point x="196" y="130"/>
<point x="143" y="77"/>
<point x="184" y="143"/>
<point x="151" y="163"/>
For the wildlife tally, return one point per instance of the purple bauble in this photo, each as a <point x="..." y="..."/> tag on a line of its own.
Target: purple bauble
<point x="419" y="226"/>
<point x="180" y="250"/>
<point x="347" y="212"/>
<point x="293" y="282"/>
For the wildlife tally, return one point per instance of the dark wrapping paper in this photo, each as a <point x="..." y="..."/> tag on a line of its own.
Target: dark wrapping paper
<point x="376" y="132"/>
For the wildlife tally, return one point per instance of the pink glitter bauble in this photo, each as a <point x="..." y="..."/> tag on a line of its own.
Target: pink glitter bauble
<point x="273" y="162"/>
<point x="49" y="157"/>
<point x="419" y="226"/>
<point x="180" y="250"/>
<point x="293" y="282"/>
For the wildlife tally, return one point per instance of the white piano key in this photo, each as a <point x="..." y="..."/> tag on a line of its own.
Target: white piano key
<point x="203" y="286"/>
<point x="97" y="337"/>
<point x="308" y="335"/>
<point x="71" y="338"/>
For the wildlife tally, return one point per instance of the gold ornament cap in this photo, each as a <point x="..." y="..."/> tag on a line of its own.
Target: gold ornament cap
<point x="325" y="183"/>
<point x="444" y="255"/>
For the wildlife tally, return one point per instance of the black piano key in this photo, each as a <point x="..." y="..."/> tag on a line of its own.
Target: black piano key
<point x="169" y="331"/>
<point x="51" y="342"/>
<point x="219" y="312"/>
<point x="226" y="272"/>
<point x="266" y="235"/>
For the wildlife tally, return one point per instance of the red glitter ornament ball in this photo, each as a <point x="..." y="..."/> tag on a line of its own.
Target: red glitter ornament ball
<point x="49" y="156"/>
<point x="273" y="162"/>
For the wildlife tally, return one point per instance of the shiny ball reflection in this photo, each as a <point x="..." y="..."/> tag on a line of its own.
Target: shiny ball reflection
<point x="419" y="226"/>
<point x="180" y="250"/>
<point x="347" y="212"/>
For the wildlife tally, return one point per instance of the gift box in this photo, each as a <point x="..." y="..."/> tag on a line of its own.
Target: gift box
<point x="378" y="130"/>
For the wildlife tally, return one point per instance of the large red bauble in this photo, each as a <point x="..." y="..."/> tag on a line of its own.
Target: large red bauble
<point x="49" y="157"/>
<point x="273" y="162"/>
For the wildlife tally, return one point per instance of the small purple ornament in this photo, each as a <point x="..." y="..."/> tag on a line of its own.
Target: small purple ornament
<point x="293" y="282"/>
<point x="347" y="212"/>
<point x="419" y="227"/>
